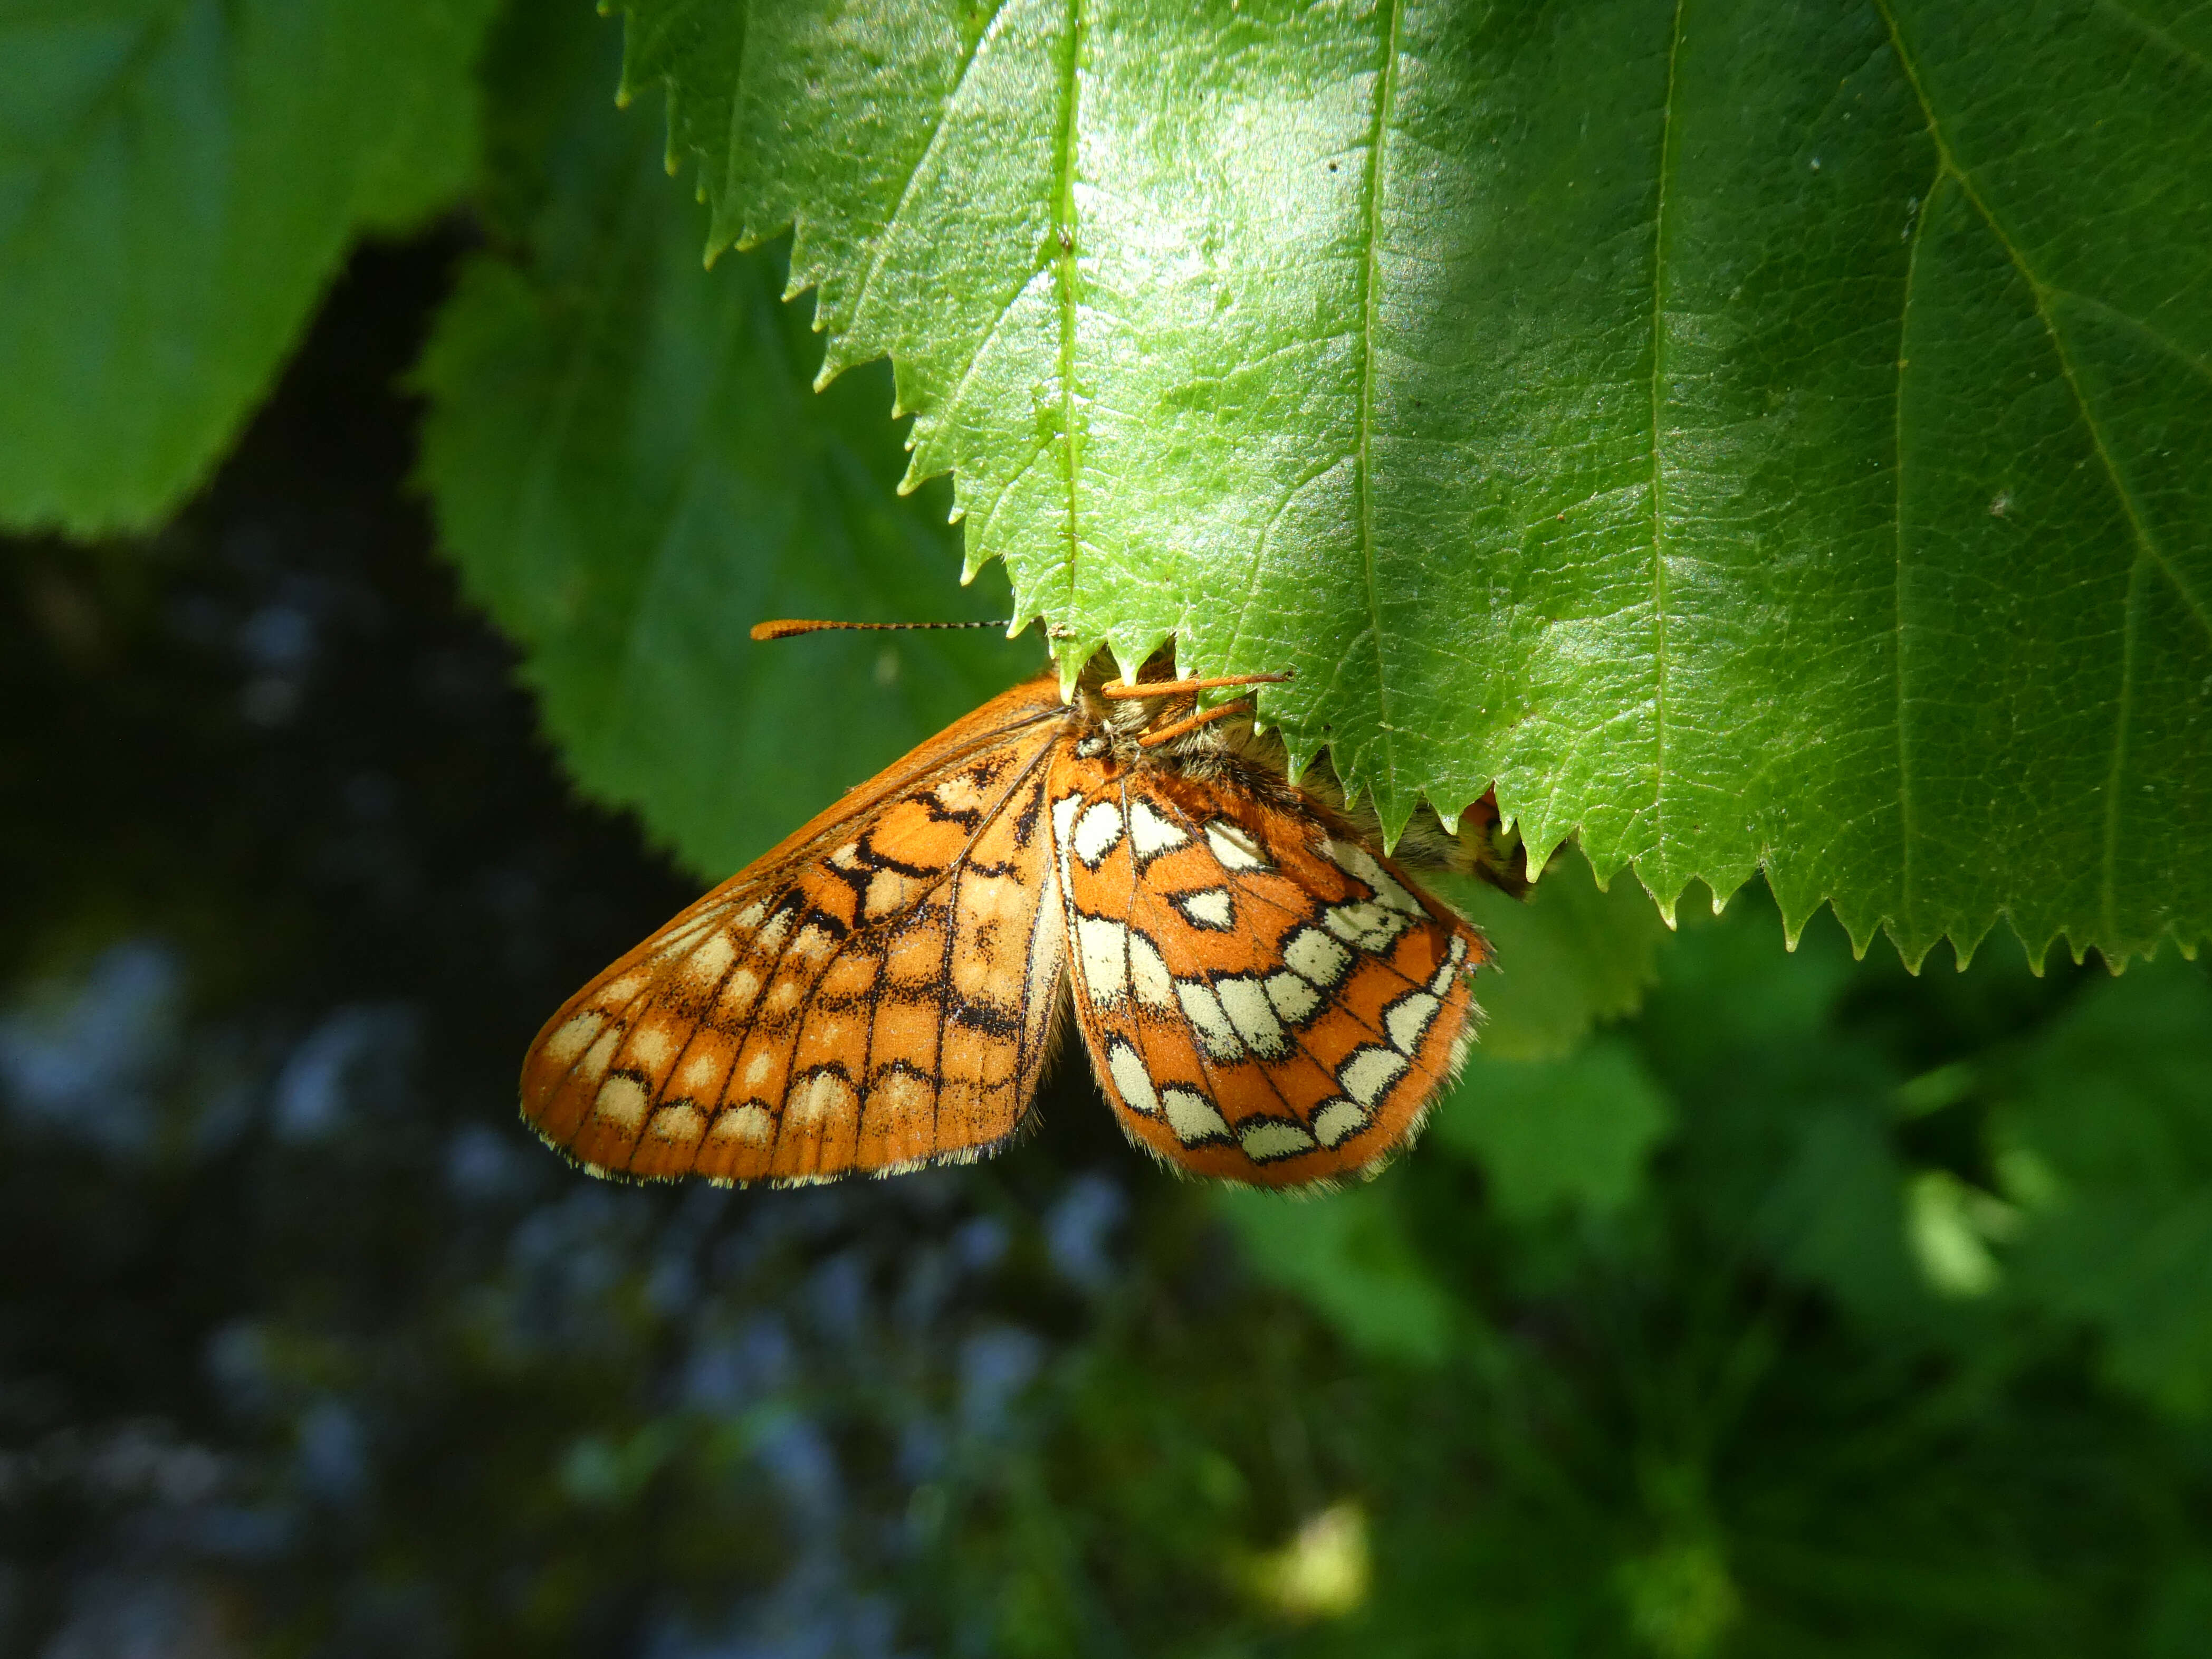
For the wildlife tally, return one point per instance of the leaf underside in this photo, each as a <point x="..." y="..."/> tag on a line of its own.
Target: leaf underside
<point x="626" y="465"/>
<point x="1746" y="436"/>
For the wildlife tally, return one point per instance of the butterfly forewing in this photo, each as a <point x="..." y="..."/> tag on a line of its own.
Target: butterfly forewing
<point x="876" y="992"/>
<point x="1264" y="998"/>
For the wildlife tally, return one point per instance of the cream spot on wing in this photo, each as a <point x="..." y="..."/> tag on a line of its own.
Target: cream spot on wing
<point x="624" y="989"/>
<point x="783" y="996"/>
<point x="739" y="990"/>
<point x="1151" y="833"/>
<point x="573" y="1037"/>
<point x="622" y="1101"/>
<point x="700" y="1075"/>
<point x="846" y="857"/>
<point x="1245" y="1002"/>
<point x="600" y="1054"/>
<point x="1444" y="975"/>
<point x="1063" y="816"/>
<point x="653" y="1047"/>
<point x="1368" y="1075"/>
<point x="1233" y="846"/>
<point x="962" y="792"/>
<point x="759" y="1067"/>
<point x="1366" y="924"/>
<point x="1315" y="956"/>
<point x="889" y="891"/>
<point x="680" y="1122"/>
<point x="704" y="973"/>
<point x="751" y="1123"/>
<point x="1209" y="907"/>
<point x="1208" y="1018"/>
<point x="1130" y="1081"/>
<point x="1047" y="973"/>
<point x="1406" y="1021"/>
<point x="1336" y="1120"/>
<point x="1272" y="1137"/>
<point x="1292" y="997"/>
<point x="770" y="939"/>
<point x="1104" y="947"/>
<point x="898" y="1094"/>
<point x="1149" y="969"/>
<point x="818" y="1099"/>
<point x="1192" y="1115"/>
<point x="1095" y="832"/>
<point x="993" y="898"/>
<point x="1358" y="862"/>
<point x="812" y="945"/>
<point x="750" y="917"/>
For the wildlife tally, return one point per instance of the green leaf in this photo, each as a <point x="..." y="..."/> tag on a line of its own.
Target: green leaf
<point x="1569" y="956"/>
<point x="626" y="463"/>
<point x="1571" y="1132"/>
<point x="179" y="181"/>
<point x="1747" y="435"/>
<point x="2118" y="1123"/>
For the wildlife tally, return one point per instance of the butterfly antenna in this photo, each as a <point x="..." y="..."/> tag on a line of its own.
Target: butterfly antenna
<point x="784" y="630"/>
<point x="1176" y="688"/>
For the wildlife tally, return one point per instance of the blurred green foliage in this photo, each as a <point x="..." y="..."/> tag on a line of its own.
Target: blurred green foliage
<point x="180" y="180"/>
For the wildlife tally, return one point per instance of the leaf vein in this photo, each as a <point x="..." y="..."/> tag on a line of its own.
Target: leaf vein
<point x="1906" y="828"/>
<point x="1658" y="475"/>
<point x="2156" y="35"/>
<point x="2042" y="292"/>
<point x="2108" y="876"/>
<point x="1065" y="274"/>
<point x="1386" y="89"/>
<point x="883" y="241"/>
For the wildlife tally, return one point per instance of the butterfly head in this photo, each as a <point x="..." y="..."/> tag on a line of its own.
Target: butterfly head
<point x="1156" y="717"/>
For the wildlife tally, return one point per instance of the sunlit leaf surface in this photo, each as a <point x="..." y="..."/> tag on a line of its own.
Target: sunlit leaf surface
<point x="1746" y="434"/>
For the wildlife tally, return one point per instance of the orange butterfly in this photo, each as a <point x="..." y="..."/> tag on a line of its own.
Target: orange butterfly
<point x="1265" y="996"/>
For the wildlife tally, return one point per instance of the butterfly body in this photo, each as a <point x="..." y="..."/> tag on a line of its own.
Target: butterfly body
<point x="1264" y="997"/>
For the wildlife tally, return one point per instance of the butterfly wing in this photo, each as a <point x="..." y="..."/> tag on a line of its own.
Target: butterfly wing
<point x="875" y="994"/>
<point x="1265" y="999"/>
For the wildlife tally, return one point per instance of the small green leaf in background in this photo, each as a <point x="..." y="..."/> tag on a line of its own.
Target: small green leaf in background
<point x="1573" y="1133"/>
<point x="1750" y="435"/>
<point x="179" y="181"/>
<point x="1569" y="956"/>
<point x="2118" y="1111"/>
<point x="627" y="463"/>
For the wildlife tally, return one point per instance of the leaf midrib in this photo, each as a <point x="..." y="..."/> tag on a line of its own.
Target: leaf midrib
<point x="1658" y="402"/>
<point x="1385" y="88"/>
<point x="1064" y="232"/>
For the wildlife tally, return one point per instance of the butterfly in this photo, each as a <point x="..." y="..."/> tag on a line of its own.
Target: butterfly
<point x="1264" y="995"/>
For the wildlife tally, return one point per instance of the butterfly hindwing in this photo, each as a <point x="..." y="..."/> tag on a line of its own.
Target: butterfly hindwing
<point x="875" y="994"/>
<point x="1264" y="998"/>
